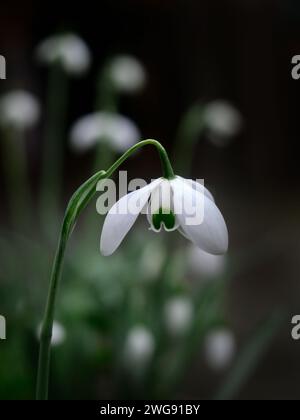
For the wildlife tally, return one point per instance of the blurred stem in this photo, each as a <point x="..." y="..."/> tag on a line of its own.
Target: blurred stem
<point x="107" y="96"/>
<point x="104" y="155"/>
<point x="77" y="204"/>
<point x="190" y="129"/>
<point x="57" y="101"/>
<point x="17" y="179"/>
<point x="106" y="101"/>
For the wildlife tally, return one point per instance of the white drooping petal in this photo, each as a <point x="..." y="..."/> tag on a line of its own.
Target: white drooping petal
<point x="68" y="49"/>
<point x="201" y="263"/>
<point x="19" y="109"/>
<point x="219" y="348"/>
<point x="119" y="132"/>
<point x="222" y="120"/>
<point x="122" y="217"/>
<point x="199" y="218"/>
<point x="127" y="74"/>
<point x="198" y="186"/>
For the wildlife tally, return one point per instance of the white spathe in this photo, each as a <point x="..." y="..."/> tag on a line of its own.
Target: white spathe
<point x="68" y="49"/>
<point x="201" y="263"/>
<point x="19" y="109"/>
<point x="170" y="204"/>
<point x="219" y="348"/>
<point x="178" y="315"/>
<point x="222" y="120"/>
<point x="127" y="74"/>
<point x="139" y="346"/>
<point x="118" y="131"/>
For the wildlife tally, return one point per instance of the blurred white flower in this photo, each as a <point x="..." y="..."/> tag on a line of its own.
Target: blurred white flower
<point x="219" y="348"/>
<point x="68" y="49"/>
<point x="58" y="334"/>
<point x="118" y="131"/>
<point x="127" y="74"/>
<point x="201" y="263"/>
<point x="178" y="314"/>
<point x="139" y="346"/>
<point x="18" y="109"/>
<point x="222" y="120"/>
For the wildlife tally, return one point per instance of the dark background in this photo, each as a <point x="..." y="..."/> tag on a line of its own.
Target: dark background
<point x="201" y="49"/>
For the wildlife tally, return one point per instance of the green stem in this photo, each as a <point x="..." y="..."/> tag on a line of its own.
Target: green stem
<point x="77" y="204"/>
<point x="190" y="128"/>
<point x="107" y="96"/>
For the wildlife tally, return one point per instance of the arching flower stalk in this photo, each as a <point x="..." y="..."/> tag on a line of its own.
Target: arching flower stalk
<point x="165" y="199"/>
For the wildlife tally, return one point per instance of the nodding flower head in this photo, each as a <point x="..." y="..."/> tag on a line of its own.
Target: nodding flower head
<point x="223" y="121"/>
<point x="19" y="109"/>
<point x="67" y="49"/>
<point x="175" y="204"/>
<point x="127" y="74"/>
<point x="116" y="130"/>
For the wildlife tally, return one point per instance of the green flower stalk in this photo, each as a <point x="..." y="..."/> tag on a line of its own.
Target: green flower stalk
<point x="77" y="204"/>
<point x="168" y="200"/>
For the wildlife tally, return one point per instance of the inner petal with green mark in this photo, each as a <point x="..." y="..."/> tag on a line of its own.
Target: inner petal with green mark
<point x="164" y="218"/>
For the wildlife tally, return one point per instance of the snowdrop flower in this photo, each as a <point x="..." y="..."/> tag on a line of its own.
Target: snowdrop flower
<point x="222" y="120"/>
<point x="176" y="204"/>
<point x="202" y="263"/>
<point x="120" y="132"/>
<point x="69" y="50"/>
<point x="58" y="334"/>
<point x="219" y="348"/>
<point x="178" y="313"/>
<point x="139" y="346"/>
<point x="18" y="109"/>
<point x="127" y="74"/>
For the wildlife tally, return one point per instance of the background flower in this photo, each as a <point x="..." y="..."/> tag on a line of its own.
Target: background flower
<point x="19" y="109"/>
<point x="127" y="74"/>
<point x="69" y="50"/>
<point x="219" y="348"/>
<point x="116" y="130"/>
